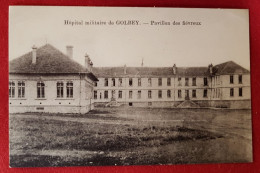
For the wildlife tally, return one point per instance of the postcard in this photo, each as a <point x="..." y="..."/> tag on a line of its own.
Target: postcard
<point x="99" y="86"/>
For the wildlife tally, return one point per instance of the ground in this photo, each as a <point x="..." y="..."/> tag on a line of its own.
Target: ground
<point x="130" y="136"/>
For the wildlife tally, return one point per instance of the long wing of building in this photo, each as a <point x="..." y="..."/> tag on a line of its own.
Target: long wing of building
<point x="225" y="85"/>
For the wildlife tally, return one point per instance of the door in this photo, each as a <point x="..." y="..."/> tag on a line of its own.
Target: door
<point x="187" y="96"/>
<point x="113" y="98"/>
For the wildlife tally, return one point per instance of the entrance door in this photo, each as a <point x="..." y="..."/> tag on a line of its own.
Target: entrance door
<point x="187" y="96"/>
<point x="113" y="98"/>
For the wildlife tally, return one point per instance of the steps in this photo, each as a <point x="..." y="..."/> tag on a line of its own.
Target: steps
<point x="188" y="104"/>
<point x="113" y="103"/>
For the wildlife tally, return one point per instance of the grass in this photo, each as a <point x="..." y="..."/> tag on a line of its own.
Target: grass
<point x="127" y="139"/>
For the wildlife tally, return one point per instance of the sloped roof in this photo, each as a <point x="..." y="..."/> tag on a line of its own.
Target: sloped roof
<point x="229" y="67"/>
<point x="48" y="60"/>
<point x="149" y="71"/>
<point x="225" y="68"/>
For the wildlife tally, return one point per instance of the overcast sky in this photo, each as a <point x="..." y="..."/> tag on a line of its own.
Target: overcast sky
<point x="222" y="36"/>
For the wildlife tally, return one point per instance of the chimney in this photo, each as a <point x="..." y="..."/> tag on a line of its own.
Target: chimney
<point x="34" y="48"/>
<point x="70" y="51"/>
<point x="174" y="69"/>
<point x="211" y="69"/>
<point x="88" y="63"/>
<point x="91" y="66"/>
<point x="124" y="69"/>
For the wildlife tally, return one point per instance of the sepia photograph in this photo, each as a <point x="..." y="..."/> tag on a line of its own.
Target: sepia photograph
<point x="108" y="86"/>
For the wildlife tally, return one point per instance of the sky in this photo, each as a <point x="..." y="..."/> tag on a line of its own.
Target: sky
<point x="222" y="36"/>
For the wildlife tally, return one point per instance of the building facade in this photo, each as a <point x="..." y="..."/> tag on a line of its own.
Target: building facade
<point x="225" y="85"/>
<point x="46" y="80"/>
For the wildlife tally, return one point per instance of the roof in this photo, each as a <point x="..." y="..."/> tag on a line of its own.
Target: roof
<point x="149" y="71"/>
<point x="49" y="60"/>
<point x="229" y="67"/>
<point x="225" y="68"/>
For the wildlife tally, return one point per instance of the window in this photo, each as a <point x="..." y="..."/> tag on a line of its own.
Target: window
<point x="179" y="93"/>
<point x="21" y="89"/>
<point x="120" y="94"/>
<point x="186" y="81"/>
<point x="240" y="79"/>
<point x="40" y="90"/>
<point x="130" y="94"/>
<point x="159" y="81"/>
<point x="106" y="82"/>
<point x="100" y="95"/>
<point x="231" y="79"/>
<point x="95" y="94"/>
<point x="69" y="89"/>
<point x="193" y="81"/>
<point x="169" y="94"/>
<point x="231" y="92"/>
<point x="139" y="95"/>
<point x="149" y="94"/>
<point x="179" y="81"/>
<point x="59" y="89"/>
<point x="149" y="82"/>
<point x="160" y="94"/>
<point x="205" y="93"/>
<point x="139" y="82"/>
<point x="113" y="82"/>
<point x="120" y="81"/>
<point x="194" y="93"/>
<point x="130" y="82"/>
<point x="11" y="89"/>
<point x="205" y="81"/>
<point x="240" y="92"/>
<point x="95" y="83"/>
<point x="168" y="81"/>
<point x="106" y="94"/>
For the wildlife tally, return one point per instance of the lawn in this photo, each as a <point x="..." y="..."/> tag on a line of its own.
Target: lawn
<point x="130" y="136"/>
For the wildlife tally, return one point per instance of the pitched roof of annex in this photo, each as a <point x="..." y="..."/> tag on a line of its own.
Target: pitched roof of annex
<point x="229" y="67"/>
<point x="49" y="60"/>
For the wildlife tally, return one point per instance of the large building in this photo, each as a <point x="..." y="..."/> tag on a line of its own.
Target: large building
<point x="46" y="80"/>
<point x="225" y="85"/>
